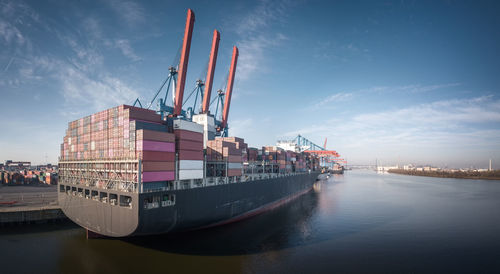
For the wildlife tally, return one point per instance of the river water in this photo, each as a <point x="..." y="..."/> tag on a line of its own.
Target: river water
<point x="357" y="222"/>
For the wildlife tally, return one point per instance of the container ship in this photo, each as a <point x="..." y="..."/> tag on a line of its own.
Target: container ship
<point x="130" y="170"/>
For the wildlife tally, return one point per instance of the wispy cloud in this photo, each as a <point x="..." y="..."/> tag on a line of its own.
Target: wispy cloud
<point x="126" y="49"/>
<point x="8" y="64"/>
<point x="80" y="85"/>
<point x="14" y="15"/>
<point x="337" y="97"/>
<point x="416" y="88"/>
<point x="256" y="38"/>
<point x="380" y="90"/>
<point x="253" y="52"/>
<point x="131" y="12"/>
<point x="459" y="125"/>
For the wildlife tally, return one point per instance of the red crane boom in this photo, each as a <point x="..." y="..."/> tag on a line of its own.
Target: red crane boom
<point x="183" y="64"/>
<point x="229" y="88"/>
<point x="210" y="72"/>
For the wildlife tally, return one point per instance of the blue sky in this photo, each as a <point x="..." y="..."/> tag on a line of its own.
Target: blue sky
<point x="407" y="81"/>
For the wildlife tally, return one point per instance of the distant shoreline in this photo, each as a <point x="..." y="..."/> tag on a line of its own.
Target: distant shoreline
<point x="487" y="175"/>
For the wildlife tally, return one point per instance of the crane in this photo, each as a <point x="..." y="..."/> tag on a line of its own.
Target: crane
<point x="183" y="64"/>
<point x="210" y="72"/>
<point x="177" y="79"/>
<point x="224" y="97"/>
<point x="177" y="75"/>
<point x="203" y="89"/>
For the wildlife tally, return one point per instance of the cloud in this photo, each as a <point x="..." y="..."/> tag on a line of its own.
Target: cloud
<point x="130" y="11"/>
<point x="255" y="37"/>
<point x="8" y="64"/>
<point x="337" y="97"/>
<point x="408" y="89"/>
<point x="11" y="34"/>
<point x="253" y="52"/>
<point x="126" y="49"/>
<point x="435" y="130"/>
<point x="81" y="86"/>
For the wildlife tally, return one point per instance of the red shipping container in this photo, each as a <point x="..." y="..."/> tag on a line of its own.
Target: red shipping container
<point x="189" y="145"/>
<point x="190" y="155"/>
<point x="155" y="146"/>
<point x="158" y="166"/>
<point x="156" y="156"/>
<point x="155" y="176"/>
<point x="233" y="159"/>
<point x="134" y="113"/>
<point x="181" y="134"/>
<point x="151" y="135"/>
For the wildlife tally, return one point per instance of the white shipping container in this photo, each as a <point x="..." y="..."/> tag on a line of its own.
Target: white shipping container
<point x="187" y="125"/>
<point x="234" y="165"/>
<point x="186" y="174"/>
<point x="191" y="164"/>
<point x="204" y="119"/>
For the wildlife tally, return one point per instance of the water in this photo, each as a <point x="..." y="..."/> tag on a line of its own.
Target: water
<point x="357" y="222"/>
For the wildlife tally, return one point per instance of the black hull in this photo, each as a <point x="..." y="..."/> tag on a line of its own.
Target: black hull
<point x="194" y="208"/>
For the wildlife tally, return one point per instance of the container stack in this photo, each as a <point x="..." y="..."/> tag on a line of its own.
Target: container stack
<point x="269" y="154"/>
<point x="281" y="160"/>
<point x="252" y="154"/>
<point x="300" y="164"/>
<point x="220" y="150"/>
<point x="157" y="151"/>
<point x="291" y="159"/>
<point x="189" y="148"/>
<point x="123" y="132"/>
<point x="239" y="144"/>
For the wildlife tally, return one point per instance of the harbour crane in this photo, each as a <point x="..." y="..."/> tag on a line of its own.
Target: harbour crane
<point x="327" y="157"/>
<point x="176" y="80"/>
<point x="176" y="76"/>
<point x="222" y="128"/>
<point x="205" y="87"/>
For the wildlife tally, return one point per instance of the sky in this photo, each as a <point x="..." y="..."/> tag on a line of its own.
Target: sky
<point x="398" y="81"/>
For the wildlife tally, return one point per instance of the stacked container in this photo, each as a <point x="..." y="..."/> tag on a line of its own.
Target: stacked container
<point x="123" y="132"/>
<point x="224" y="151"/>
<point x="157" y="151"/>
<point x="269" y="154"/>
<point x="189" y="148"/>
<point x="281" y="160"/>
<point x="239" y="144"/>
<point x="253" y="154"/>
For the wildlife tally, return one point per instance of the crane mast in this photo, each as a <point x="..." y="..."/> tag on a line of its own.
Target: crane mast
<point x="229" y="89"/>
<point x="183" y="64"/>
<point x="210" y="73"/>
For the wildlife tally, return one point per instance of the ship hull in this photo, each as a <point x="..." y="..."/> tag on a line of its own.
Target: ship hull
<point x="194" y="208"/>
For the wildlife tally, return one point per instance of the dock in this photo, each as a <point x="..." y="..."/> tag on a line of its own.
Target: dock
<point x="28" y="205"/>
